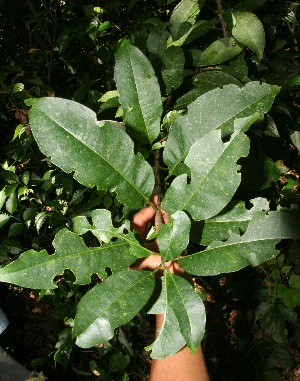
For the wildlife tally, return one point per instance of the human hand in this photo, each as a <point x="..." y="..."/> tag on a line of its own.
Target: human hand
<point x="142" y="223"/>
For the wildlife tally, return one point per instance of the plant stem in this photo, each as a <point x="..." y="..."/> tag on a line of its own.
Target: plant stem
<point x="158" y="190"/>
<point x="221" y="17"/>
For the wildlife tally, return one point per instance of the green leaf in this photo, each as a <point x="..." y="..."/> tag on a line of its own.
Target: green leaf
<point x="249" y="5"/>
<point x="2" y="197"/>
<point x="11" y="203"/>
<point x="4" y="218"/>
<point x="38" y="269"/>
<point x="184" y="317"/>
<point x="220" y="51"/>
<point x="169" y="339"/>
<point x="139" y="91"/>
<point x="249" y="31"/>
<point x="188" y="309"/>
<point x="15" y="229"/>
<point x="80" y="145"/>
<point x="234" y="219"/>
<point x="256" y="246"/>
<point x="173" y="237"/>
<point x="200" y="28"/>
<point x="215" y="78"/>
<point x="40" y="219"/>
<point x="103" y="229"/>
<point x="184" y="16"/>
<point x="209" y="159"/>
<point x="110" y="304"/>
<point x="216" y="109"/>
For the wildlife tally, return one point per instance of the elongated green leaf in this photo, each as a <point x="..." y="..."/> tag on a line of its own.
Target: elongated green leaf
<point x="216" y="109"/>
<point x="184" y="16"/>
<point x="249" y="5"/>
<point x="220" y="51"/>
<point x="38" y="269"/>
<point x="173" y="63"/>
<point x="215" y="78"/>
<point x="198" y="29"/>
<point x="188" y="309"/>
<point x="184" y="317"/>
<point x="169" y="339"/>
<point x="139" y="91"/>
<point x="210" y="160"/>
<point x="68" y="132"/>
<point x="234" y="219"/>
<point x="4" y="218"/>
<point x="110" y="304"/>
<point x="249" y="31"/>
<point x="256" y="246"/>
<point x="2" y="197"/>
<point x="173" y="237"/>
<point x="103" y="229"/>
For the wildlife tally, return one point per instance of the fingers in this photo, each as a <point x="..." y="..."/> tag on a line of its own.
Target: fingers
<point x="143" y="220"/>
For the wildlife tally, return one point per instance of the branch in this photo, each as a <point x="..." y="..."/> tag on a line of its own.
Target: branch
<point x="158" y="189"/>
<point x="221" y="17"/>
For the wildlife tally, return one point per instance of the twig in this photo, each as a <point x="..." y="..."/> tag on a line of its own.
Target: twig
<point x="158" y="189"/>
<point x="221" y="17"/>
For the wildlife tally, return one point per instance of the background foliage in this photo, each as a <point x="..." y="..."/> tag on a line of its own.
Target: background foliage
<point x="66" y="49"/>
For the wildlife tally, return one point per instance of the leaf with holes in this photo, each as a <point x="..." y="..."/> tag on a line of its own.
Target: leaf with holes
<point x="38" y="269"/>
<point x="103" y="229"/>
<point x="217" y="109"/>
<point x="210" y="160"/>
<point x="254" y="247"/>
<point x="68" y="132"/>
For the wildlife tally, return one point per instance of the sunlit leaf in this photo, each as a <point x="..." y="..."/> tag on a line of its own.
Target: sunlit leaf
<point x="210" y="160"/>
<point x="256" y="246"/>
<point x="119" y="298"/>
<point x="79" y="145"/>
<point x="38" y="269"/>
<point x="139" y="93"/>
<point x="249" y="31"/>
<point x="216" y="109"/>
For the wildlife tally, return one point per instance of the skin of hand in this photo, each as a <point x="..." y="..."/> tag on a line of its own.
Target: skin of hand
<point x="183" y="365"/>
<point x="142" y="223"/>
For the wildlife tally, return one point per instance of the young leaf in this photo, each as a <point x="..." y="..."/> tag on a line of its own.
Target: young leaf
<point x="249" y="31"/>
<point x="220" y="51"/>
<point x="216" y="109"/>
<point x="210" y="160"/>
<point x="173" y="237"/>
<point x="256" y="246"/>
<point x="38" y="269"/>
<point x="103" y="229"/>
<point x="139" y="91"/>
<point x="184" y="16"/>
<point x="68" y="132"/>
<point x="110" y="304"/>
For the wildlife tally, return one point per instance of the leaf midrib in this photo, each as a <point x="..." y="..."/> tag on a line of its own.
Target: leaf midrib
<point x="228" y="245"/>
<point x="58" y="258"/>
<point x="115" y="300"/>
<point x="171" y="171"/>
<point x="104" y="159"/>
<point x="229" y="146"/>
